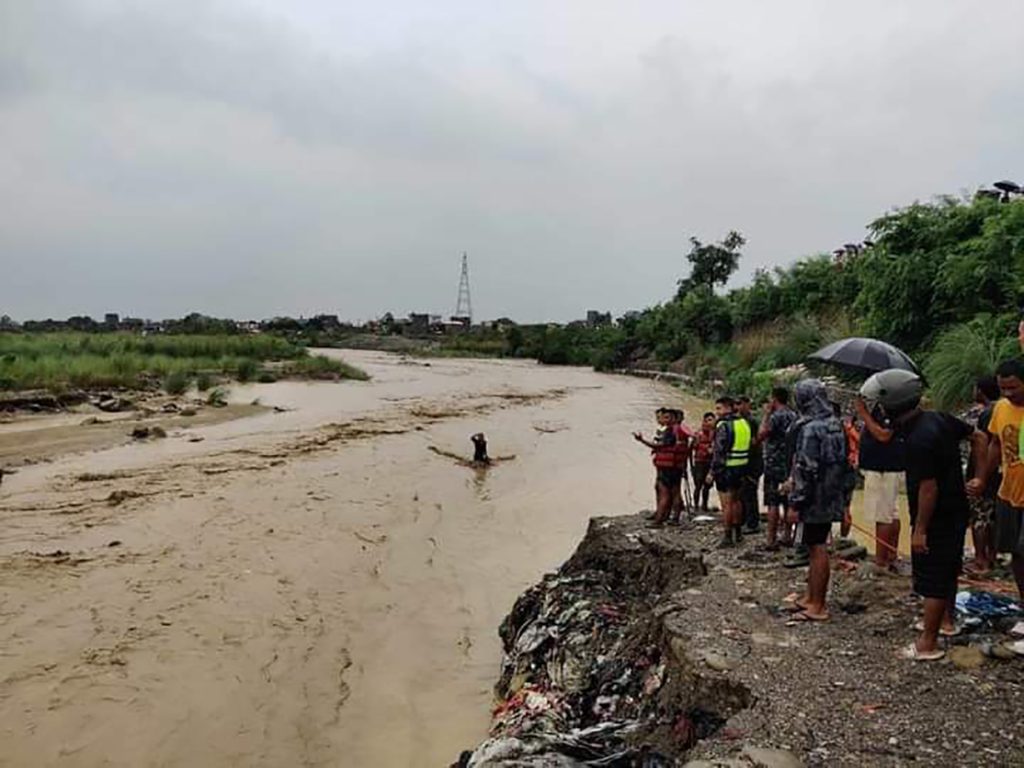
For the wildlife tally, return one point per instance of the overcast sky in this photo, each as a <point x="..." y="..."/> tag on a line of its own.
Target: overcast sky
<point x="249" y="158"/>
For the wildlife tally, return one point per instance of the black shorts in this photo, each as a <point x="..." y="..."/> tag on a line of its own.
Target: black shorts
<point x="937" y="570"/>
<point x="773" y="497"/>
<point x="1009" y="533"/>
<point x="814" y="534"/>
<point x="729" y="480"/>
<point x="670" y="478"/>
<point x="701" y="469"/>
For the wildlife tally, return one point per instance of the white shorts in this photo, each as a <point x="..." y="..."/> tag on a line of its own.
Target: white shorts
<point x="882" y="496"/>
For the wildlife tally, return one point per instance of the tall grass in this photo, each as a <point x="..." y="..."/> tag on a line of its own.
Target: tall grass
<point x="260" y="347"/>
<point x="62" y="361"/>
<point x="964" y="353"/>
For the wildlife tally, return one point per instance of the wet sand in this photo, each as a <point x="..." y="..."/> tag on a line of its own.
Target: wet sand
<point x="314" y="587"/>
<point x="31" y="439"/>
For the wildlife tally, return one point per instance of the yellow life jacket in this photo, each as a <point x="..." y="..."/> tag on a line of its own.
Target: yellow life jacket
<point x="742" y="436"/>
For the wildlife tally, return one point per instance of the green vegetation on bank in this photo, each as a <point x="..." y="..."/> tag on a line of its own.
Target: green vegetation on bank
<point x="942" y="280"/>
<point x="62" y="361"/>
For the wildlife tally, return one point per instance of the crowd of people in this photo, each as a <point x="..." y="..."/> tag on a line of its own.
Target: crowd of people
<point x="958" y="473"/>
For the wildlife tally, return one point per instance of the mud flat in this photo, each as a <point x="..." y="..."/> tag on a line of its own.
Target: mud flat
<point x="311" y="585"/>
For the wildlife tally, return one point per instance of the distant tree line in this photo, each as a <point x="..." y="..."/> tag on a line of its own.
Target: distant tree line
<point x="943" y="280"/>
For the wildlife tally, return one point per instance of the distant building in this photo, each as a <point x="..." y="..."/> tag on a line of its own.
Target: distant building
<point x="112" y="320"/>
<point x="325" y="322"/>
<point x="597" y="319"/>
<point x="82" y="323"/>
<point x="418" y="324"/>
<point x="456" y="326"/>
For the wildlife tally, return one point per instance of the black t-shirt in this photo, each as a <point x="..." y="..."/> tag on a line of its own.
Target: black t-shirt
<point x="876" y="456"/>
<point x="932" y="442"/>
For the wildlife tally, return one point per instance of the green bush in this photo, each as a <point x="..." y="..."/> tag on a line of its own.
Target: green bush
<point x="176" y="383"/>
<point x="218" y="397"/>
<point x="247" y="369"/>
<point x="204" y="381"/>
<point x="322" y="367"/>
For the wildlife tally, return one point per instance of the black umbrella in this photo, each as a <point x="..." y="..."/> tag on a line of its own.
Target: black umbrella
<point x="864" y="356"/>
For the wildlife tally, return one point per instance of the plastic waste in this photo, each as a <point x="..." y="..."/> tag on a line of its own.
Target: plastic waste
<point x="986" y="605"/>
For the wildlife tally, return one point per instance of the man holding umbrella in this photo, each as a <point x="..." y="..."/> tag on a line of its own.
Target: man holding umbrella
<point x="881" y="455"/>
<point x="882" y="461"/>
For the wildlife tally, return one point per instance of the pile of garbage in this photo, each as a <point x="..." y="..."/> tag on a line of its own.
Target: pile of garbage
<point x="593" y="674"/>
<point x="991" y="624"/>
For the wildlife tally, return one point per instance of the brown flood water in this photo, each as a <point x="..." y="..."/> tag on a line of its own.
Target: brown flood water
<point x="308" y="588"/>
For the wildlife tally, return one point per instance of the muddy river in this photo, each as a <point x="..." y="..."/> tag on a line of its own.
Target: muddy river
<point x="308" y="586"/>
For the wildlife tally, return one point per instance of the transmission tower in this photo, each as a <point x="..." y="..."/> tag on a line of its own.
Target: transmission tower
<point x="463" y="307"/>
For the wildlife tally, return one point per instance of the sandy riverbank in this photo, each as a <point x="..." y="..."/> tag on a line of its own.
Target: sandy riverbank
<point x="312" y="587"/>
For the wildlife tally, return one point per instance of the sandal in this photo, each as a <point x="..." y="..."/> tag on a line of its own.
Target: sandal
<point x="957" y="631"/>
<point x="911" y="653"/>
<point x="792" y="603"/>
<point x="803" y="617"/>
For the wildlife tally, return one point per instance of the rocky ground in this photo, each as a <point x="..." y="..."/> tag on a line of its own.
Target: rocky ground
<point x="654" y="648"/>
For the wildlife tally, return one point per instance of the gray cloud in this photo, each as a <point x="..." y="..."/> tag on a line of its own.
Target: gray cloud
<point x="236" y="159"/>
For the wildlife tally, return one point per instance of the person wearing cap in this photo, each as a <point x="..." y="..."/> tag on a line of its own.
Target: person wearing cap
<point x="1006" y="449"/>
<point x="821" y="479"/>
<point x="938" y="500"/>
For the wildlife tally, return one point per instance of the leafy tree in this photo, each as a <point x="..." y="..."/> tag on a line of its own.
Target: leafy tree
<point x="707" y="315"/>
<point x="712" y="264"/>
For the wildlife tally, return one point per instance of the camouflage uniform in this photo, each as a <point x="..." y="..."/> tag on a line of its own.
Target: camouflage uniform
<point x="982" y="507"/>
<point x="776" y="460"/>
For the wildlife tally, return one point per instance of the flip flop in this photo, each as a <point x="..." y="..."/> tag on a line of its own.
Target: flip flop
<point x="919" y="626"/>
<point x="912" y="654"/>
<point x="803" y="617"/>
<point x="792" y="604"/>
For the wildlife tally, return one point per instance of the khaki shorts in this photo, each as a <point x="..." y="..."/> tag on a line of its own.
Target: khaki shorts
<point x="882" y="496"/>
